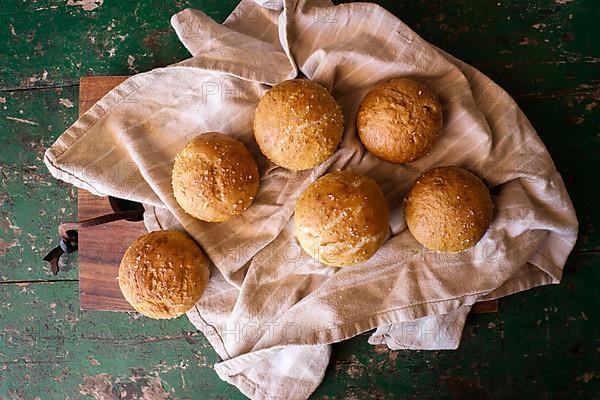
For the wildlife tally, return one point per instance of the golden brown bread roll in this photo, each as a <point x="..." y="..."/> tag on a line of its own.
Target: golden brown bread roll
<point x="163" y="274"/>
<point x="448" y="209"/>
<point x="399" y="120"/>
<point x="214" y="177"/>
<point x="342" y="219"/>
<point x="298" y="124"/>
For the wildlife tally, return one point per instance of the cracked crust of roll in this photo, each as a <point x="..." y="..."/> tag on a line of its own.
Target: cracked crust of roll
<point x="448" y="209"/>
<point x="399" y="120"/>
<point x="298" y="124"/>
<point x="342" y="219"/>
<point x="214" y="177"/>
<point x="163" y="274"/>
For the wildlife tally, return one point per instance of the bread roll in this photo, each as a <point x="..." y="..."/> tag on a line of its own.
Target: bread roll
<point x="342" y="219"/>
<point x="163" y="274"/>
<point x="399" y="120"/>
<point x="298" y="124"/>
<point x="214" y="177"/>
<point x="448" y="209"/>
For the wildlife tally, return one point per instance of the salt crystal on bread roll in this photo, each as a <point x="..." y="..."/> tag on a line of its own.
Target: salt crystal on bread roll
<point x="399" y="120"/>
<point x="163" y="274"/>
<point x="448" y="209"/>
<point x="298" y="124"/>
<point x="214" y="177"/>
<point x="342" y="219"/>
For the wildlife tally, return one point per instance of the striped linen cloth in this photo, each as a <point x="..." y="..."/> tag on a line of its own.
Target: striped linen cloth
<point x="270" y="311"/>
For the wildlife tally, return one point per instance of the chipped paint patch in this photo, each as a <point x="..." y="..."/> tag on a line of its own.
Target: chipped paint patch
<point x="98" y="386"/>
<point x="465" y="388"/>
<point x="130" y="61"/>
<point x="162" y="367"/>
<point x="7" y="226"/>
<point x="5" y="246"/>
<point x="62" y="375"/>
<point x="154" y="390"/>
<point x="71" y="318"/>
<point x="383" y="349"/>
<point x="354" y="369"/>
<point x="86" y="5"/>
<point x="30" y="81"/>
<point x="93" y="361"/>
<point x="539" y="26"/>
<point x="46" y="8"/>
<point x="585" y="378"/>
<point x="142" y="386"/>
<point x="380" y="349"/>
<point x="66" y="102"/>
<point x="4" y="197"/>
<point x="562" y="2"/>
<point x="22" y="121"/>
<point x="2" y="100"/>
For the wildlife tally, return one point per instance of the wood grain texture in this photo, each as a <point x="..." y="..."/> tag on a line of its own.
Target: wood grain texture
<point x="101" y="247"/>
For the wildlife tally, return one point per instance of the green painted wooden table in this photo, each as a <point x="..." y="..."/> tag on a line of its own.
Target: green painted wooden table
<point x="544" y="343"/>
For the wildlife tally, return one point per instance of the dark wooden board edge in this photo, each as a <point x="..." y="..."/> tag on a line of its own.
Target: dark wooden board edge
<point x="100" y="248"/>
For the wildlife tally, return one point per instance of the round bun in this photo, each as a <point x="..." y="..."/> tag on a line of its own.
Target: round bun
<point x="214" y="177"/>
<point x="399" y="120"/>
<point x="448" y="209"/>
<point x="163" y="274"/>
<point x="298" y="124"/>
<point x="342" y="219"/>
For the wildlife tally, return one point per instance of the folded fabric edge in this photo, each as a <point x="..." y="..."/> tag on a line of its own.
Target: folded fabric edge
<point x="339" y="333"/>
<point x="526" y="282"/>
<point x="245" y="72"/>
<point x="65" y="176"/>
<point x="229" y="59"/>
<point x="407" y="313"/>
<point x="81" y="127"/>
<point x="102" y="108"/>
<point x="234" y="371"/>
<point x="384" y="335"/>
<point x="246" y="386"/>
<point x="210" y="332"/>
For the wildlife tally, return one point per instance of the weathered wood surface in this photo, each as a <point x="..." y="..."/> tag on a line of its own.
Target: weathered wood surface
<point x="100" y="251"/>
<point x="540" y="344"/>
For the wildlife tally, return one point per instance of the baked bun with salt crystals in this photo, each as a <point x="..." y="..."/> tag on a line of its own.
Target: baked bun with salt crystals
<point x="298" y="124"/>
<point x="342" y="219"/>
<point x="399" y="120"/>
<point x="163" y="274"/>
<point x="214" y="177"/>
<point x="448" y="209"/>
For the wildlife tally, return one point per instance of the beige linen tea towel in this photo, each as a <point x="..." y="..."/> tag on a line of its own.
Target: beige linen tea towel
<point x="270" y="311"/>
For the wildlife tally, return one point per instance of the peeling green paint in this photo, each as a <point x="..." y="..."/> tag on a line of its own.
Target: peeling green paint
<point x="544" y="343"/>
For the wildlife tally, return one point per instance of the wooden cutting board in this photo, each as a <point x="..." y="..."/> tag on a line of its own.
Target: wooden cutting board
<point x="102" y="247"/>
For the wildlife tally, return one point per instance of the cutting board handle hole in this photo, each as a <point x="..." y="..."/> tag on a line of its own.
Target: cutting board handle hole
<point x="119" y="205"/>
